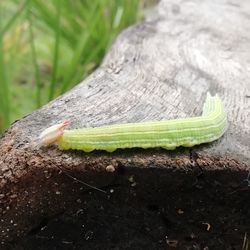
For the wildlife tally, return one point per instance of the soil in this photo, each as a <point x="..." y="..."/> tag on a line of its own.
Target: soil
<point x="152" y="208"/>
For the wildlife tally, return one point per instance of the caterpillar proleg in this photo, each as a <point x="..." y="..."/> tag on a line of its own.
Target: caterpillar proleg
<point x="167" y="134"/>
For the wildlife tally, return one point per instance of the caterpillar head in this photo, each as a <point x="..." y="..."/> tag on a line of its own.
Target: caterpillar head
<point x="52" y="134"/>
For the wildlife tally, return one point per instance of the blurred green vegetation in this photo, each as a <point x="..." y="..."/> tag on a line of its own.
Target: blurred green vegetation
<point x="46" y="47"/>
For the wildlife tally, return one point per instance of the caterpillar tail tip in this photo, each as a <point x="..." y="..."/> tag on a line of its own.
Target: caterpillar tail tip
<point x="208" y="95"/>
<point x="52" y="134"/>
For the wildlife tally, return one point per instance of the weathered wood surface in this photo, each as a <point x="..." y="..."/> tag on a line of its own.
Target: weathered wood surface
<point x="159" y="69"/>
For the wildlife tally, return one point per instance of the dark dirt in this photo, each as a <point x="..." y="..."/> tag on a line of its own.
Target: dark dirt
<point x="149" y="209"/>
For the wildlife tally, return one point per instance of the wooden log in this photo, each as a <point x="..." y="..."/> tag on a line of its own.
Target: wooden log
<point x="159" y="69"/>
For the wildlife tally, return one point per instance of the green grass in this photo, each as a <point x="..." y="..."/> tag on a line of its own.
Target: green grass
<point x="47" y="47"/>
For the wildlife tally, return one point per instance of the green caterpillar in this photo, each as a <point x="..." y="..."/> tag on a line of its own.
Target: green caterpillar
<point x="167" y="134"/>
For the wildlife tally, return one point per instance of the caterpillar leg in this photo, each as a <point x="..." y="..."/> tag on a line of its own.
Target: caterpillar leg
<point x="87" y="148"/>
<point x="110" y="149"/>
<point x="169" y="148"/>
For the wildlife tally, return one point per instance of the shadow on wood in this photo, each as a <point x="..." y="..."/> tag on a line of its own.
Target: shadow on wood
<point x="148" y="204"/>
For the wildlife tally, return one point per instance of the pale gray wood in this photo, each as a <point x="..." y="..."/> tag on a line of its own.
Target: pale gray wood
<point x="159" y="69"/>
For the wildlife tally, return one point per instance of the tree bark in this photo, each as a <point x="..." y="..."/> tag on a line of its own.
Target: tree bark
<point x="161" y="68"/>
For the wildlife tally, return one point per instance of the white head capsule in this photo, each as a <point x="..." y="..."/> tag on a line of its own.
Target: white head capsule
<point x="52" y="134"/>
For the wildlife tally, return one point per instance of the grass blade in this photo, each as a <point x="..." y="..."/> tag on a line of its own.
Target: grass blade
<point x="66" y="41"/>
<point x="80" y="48"/>
<point x="34" y="58"/>
<point x="13" y="19"/>
<point x="4" y="85"/>
<point x="56" y="53"/>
